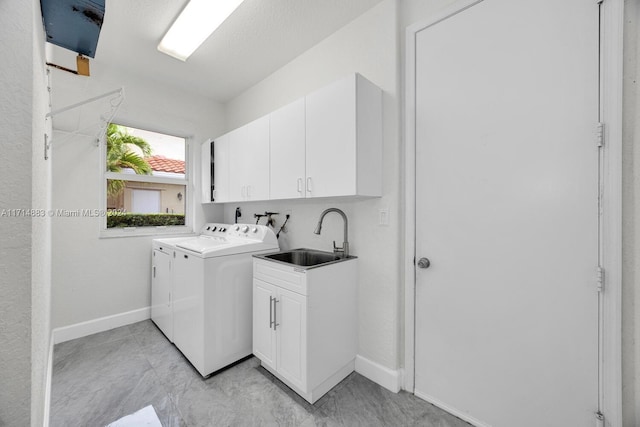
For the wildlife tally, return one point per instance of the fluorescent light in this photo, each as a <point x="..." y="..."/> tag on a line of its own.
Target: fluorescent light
<point x="197" y="21"/>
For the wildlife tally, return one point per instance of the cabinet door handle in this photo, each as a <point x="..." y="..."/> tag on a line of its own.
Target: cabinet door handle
<point x="271" y="322"/>
<point x="154" y="271"/>
<point x="309" y="185"/>
<point x="275" y="313"/>
<point x="300" y="185"/>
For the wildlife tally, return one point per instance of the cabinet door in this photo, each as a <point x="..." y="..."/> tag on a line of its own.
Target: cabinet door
<point x="161" y="307"/>
<point x="238" y="164"/>
<point x="288" y="151"/>
<point x="291" y="335"/>
<point x="249" y="173"/>
<point x="221" y="165"/>
<point x="264" y="342"/>
<point x="331" y="140"/>
<point x="256" y="157"/>
<point x="206" y="163"/>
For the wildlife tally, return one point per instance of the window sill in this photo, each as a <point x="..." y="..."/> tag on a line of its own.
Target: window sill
<point x="146" y="231"/>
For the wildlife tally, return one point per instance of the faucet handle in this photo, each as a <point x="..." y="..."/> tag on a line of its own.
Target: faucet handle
<point x="336" y="248"/>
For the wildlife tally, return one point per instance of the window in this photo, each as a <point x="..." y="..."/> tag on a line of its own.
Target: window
<point x="145" y="180"/>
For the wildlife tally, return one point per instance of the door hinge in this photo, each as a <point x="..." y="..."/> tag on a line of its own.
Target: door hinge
<point x="47" y="145"/>
<point x="599" y="419"/>
<point x="600" y="134"/>
<point x="600" y="279"/>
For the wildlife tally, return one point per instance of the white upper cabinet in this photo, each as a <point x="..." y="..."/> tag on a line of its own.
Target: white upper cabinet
<point x="237" y="164"/>
<point x="344" y="139"/>
<point x="206" y="168"/>
<point x="257" y="157"/>
<point x="221" y="163"/>
<point x="288" y="151"/>
<point x="249" y="163"/>
<point x="327" y="144"/>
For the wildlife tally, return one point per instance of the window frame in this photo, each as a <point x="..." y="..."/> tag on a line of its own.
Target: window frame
<point x="187" y="181"/>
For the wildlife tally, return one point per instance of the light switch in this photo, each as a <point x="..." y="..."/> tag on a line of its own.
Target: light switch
<point x="383" y="215"/>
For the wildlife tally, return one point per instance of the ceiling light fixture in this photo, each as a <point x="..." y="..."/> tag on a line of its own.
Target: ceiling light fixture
<point x="197" y="21"/>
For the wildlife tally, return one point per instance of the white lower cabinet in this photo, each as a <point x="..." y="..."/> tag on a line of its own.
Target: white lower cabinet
<point x="304" y="324"/>
<point x="264" y="336"/>
<point x="280" y="346"/>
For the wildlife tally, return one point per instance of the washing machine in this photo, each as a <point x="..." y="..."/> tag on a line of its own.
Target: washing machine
<point x="212" y="293"/>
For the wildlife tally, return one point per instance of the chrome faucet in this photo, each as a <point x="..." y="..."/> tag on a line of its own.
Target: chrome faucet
<point x="345" y="245"/>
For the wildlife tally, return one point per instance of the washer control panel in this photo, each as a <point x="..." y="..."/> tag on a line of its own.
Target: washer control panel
<point x="245" y="231"/>
<point x="214" y="229"/>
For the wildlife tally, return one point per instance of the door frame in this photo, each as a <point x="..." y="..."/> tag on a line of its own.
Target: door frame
<point x="611" y="51"/>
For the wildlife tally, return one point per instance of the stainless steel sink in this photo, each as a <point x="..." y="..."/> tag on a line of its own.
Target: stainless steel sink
<point x="305" y="258"/>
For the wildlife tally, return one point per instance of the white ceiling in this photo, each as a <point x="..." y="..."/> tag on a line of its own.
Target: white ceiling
<point x="258" y="38"/>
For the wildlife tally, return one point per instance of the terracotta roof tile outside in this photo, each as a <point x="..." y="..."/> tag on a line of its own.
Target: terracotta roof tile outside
<point x="163" y="164"/>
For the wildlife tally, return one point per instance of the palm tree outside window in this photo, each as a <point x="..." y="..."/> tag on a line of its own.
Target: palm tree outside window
<point x="145" y="178"/>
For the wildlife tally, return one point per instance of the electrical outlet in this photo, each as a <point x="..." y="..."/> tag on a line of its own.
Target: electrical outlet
<point x="383" y="217"/>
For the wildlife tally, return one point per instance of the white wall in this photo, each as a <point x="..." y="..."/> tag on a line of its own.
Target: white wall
<point x="15" y="245"/>
<point x="367" y="45"/>
<point x="631" y="229"/>
<point x="94" y="277"/>
<point x="24" y="246"/>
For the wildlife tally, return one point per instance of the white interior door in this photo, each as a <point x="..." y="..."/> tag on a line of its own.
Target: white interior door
<point x="506" y="211"/>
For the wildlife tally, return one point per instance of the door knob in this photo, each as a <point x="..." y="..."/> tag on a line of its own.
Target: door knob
<point x="424" y="263"/>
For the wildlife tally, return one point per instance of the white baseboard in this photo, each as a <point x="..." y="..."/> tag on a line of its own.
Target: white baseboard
<point x="79" y="330"/>
<point x="451" y="410"/>
<point x="387" y="378"/>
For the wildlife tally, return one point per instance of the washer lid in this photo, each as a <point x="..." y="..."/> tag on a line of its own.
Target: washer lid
<point x="231" y="247"/>
<point x="170" y="242"/>
<point x="202" y="244"/>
